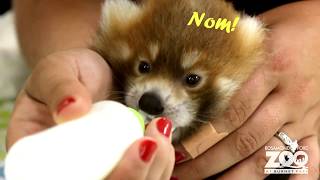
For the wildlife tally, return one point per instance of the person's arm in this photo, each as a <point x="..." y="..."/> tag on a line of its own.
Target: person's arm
<point x="54" y="37"/>
<point x="67" y="77"/>
<point x="48" y="26"/>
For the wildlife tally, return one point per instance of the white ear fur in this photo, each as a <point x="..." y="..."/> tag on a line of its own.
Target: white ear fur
<point x="190" y="58"/>
<point x="227" y="86"/>
<point x="251" y="29"/>
<point x="154" y="50"/>
<point x="123" y="50"/>
<point x="119" y="13"/>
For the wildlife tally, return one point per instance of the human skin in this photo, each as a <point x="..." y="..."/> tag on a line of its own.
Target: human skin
<point x="54" y="37"/>
<point x="45" y="30"/>
<point x="160" y="166"/>
<point x="48" y="26"/>
<point x="291" y="78"/>
<point x="282" y="95"/>
<point x="83" y="69"/>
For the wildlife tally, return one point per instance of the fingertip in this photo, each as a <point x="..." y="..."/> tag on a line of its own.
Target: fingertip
<point x="147" y="149"/>
<point x="142" y="151"/>
<point x="160" y="126"/>
<point x="71" y="107"/>
<point x="136" y="161"/>
<point x="164" y="126"/>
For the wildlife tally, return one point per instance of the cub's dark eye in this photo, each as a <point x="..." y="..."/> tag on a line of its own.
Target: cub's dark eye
<point x="144" y="67"/>
<point x="192" y="80"/>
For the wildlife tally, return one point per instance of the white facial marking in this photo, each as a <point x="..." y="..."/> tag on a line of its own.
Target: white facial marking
<point x="190" y="58"/>
<point x="227" y="86"/>
<point x="177" y="108"/>
<point x="119" y="13"/>
<point x="123" y="50"/>
<point x="154" y="50"/>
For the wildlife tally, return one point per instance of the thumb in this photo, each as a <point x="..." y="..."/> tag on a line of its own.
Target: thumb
<point x="67" y="82"/>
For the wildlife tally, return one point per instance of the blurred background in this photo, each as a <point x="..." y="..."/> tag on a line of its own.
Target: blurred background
<point x="4" y="6"/>
<point x="12" y="71"/>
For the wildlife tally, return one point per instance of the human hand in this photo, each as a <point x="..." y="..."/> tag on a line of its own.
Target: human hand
<point x="282" y="95"/>
<point x="61" y="87"/>
<point x="151" y="157"/>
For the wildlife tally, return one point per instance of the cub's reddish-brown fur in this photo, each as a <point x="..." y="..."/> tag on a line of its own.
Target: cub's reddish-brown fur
<point x="156" y="32"/>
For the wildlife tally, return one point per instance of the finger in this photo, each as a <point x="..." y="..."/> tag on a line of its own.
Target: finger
<point x="313" y="152"/>
<point x="27" y="118"/>
<point x="247" y="99"/>
<point x="136" y="161"/>
<point x="254" y="165"/>
<point x="181" y="155"/>
<point x="241" y="143"/>
<point x="160" y="129"/>
<point x="68" y="82"/>
<point x="168" y="171"/>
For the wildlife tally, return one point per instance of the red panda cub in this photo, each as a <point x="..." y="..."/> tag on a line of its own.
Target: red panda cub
<point x="163" y="67"/>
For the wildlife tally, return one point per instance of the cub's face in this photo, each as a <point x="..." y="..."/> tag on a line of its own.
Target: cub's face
<point x="162" y="67"/>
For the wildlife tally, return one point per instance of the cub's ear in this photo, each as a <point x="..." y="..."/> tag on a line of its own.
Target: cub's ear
<point x="252" y="30"/>
<point x="117" y="14"/>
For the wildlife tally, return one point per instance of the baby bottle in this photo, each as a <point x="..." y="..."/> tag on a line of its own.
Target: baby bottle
<point x="87" y="148"/>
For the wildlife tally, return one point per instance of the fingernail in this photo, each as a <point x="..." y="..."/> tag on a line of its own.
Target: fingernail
<point x="164" y="126"/>
<point x="174" y="178"/>
<point x="66" y="102"/>
<point x="147" y="149"/>
<point x="179" y="156"/>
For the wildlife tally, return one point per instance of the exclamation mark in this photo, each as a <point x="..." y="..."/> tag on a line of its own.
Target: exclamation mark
<point x="235" y="22"/>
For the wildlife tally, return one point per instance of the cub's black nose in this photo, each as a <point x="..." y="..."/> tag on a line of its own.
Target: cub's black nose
<point x="151" y="104"/>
